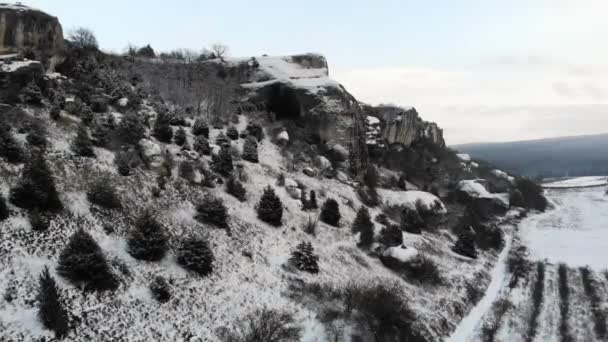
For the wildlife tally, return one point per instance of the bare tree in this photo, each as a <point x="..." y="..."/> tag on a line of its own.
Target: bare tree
<point x="83" y="38"/>
<point x="219" y="50"/>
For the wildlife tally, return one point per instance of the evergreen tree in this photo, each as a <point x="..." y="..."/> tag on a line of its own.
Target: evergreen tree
<point x="38" y="221"/>
<point x="222" y="140"/>
<point x="83" y="261"/>
<point x="31" y="94"/>
<point x="391" y="235"/>
<point x="161" y="291"/>
<point x="411" y="221"/>
<point x="148" y="240"/>
<point x="222" y="162"/>
<point x="123" y="164"/>
<point x="312" y="201"/>
<point x="304" y="258"/>
<point x="51" y="311"/>
<point x="82" y="145"/>
<point x="162" y="130"/>
<point x="232" y="133"/>
<point x="195" y="254"/>
<point x="180" y="137"/>
<point x="201" y="145"/>
<point x="465" y="245"/>
<point x="36" y="188"/>
<point x="37" y="135"/>
<point x="254" y="129"/>
<point x="250" y="150"/>
<point x="236" y="188"/>
<point x="55" y="112"/>
<point x="4" y="212"/>
<point x="200" y="128"/>
<point x="103" y="194"/>
<point x="186" y="170"/>
<point x="131" y="130"/>
<point x="100" y="135"/>
<point x="330" y="213"/>
<point x="213" y="211"/>
<point x="363" y="224"/>
<point x="9" y="148"/>
<point x="270" y="208"/>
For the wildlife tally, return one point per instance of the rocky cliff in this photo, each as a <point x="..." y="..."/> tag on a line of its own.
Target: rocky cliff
<point x="24" y="29"/>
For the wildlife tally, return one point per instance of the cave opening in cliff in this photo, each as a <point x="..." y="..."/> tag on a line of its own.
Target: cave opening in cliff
<point x="283" y="101"/>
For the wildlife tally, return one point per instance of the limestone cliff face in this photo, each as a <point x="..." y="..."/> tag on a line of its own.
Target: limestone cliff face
<point x="23" y="28"/>
<point x="299" y="88"/>
<point x="404" y="126"/>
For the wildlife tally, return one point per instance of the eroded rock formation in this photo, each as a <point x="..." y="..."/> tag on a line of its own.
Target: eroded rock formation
<point x="24" y="29"/>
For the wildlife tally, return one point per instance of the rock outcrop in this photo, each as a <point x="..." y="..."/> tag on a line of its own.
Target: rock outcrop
<point x="24" y="29"/>
<point x="404" y="126"/>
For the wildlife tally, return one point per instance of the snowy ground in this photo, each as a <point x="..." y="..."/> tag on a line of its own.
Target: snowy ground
<point x="575" y="232"/>
<point x="590" y="181"/>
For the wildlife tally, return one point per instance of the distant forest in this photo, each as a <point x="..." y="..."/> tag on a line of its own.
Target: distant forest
<point x="556" y="157"/>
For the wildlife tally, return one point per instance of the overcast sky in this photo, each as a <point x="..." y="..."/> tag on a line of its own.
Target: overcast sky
<point x="484" y="70"/>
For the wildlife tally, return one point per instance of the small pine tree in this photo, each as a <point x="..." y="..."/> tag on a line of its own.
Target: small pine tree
<point x="235" y="188"/>
<point x="222" y="140"/>
<point x="31" y="94"/>
<point x="270" y="208"/>
<point x="100" y="135"/>
<point x="103" y="194"/>
<point x="4" y="212"/>
<point x="83" y="146"/>
<point x="250" y="149"/>
<point x="465" y="245"/>
<point x="123" y="164"/>
<point x="201" y="145"/>
<point x="200" y="128"/>
<point x="411" y="221"/>
<point x="391" y="235"/>
<point x="55" y="112"/>
<point x="161" y="291"/>
<point x="232" y="133"/>
<point x="83" y="261"/>
<point x="37" y="135"/>
<point x="213" y="211"/>
<point x="131" y="130"/>
<point x="162" y="130"/>
<point x="312" y="201"/>
<point x="254" y="129"/>
<point x="330" y="213"/>
<point x="363" y="224"/>
<point x="36" y="188"/>
<point x="9" y="147"/>
<point x="195" y="254"/>
<point x="180" y="137"/>
<point x="148" y="240"/>
<point x="38" y="221"/>
<point x="222" y="162"/>
<point x="51" y="311"/>
<point x="304" y="258"/>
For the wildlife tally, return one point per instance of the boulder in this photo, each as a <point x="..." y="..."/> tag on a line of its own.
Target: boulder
<point x="342" y="177"/>
<point x="295" y="193"/>
<point x="310" y="172"/>
<point x="322" y="163"/>
<point x="152" y="152"/>
<point x="399" y="257"/>
<point x="339" y="153"/>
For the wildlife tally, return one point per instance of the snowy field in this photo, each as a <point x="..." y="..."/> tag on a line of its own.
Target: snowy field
<point x="575" y="232"/>
<point x="579" y="182"/>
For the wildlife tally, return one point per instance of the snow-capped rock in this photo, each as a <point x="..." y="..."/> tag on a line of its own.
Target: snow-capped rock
<point x="464" y="157"/>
